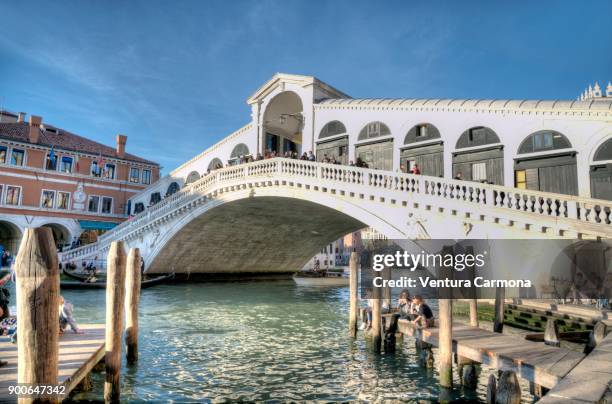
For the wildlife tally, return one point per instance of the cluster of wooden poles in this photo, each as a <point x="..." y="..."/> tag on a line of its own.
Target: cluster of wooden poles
<point x="383" y="335"/>
<point x="38" y="287"/>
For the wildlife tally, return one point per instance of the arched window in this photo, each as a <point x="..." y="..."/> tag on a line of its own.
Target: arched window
<point x="604" y="152"/>
<point x="215" y="164"/>
<point x="192" y="177"/>
<point x="138" y="207"/>
<point x="239" y="150"/>
<point x="477" y="136"/>
<point x="544" y="140"/>
<point x="331" y="129"/>
<point x="155" y="198"/>
<point x="420" y="132"/>
<point x="373" y="130"/>
<point x="173" y="188"/>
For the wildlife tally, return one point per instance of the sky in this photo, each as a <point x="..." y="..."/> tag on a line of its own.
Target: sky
<point x="175" y="75"/>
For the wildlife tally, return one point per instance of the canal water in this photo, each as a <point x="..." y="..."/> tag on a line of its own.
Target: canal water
<point x="259" y="341"/>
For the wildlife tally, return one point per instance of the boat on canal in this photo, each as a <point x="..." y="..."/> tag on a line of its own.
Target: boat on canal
<point x="82" y="281"/>
<point x="331" y="278"/>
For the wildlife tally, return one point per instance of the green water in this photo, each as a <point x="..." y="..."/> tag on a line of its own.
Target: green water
<point x="258" y="341"/>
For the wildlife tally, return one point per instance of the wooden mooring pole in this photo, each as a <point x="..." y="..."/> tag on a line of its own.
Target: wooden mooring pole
<point x="37" y="273"/>
<point x="132" y="300"/>
<point x="474" y="312"/>
<point x="353" y="294"/>
<point x="500" y="296"/>
<point x="386" y="293"/>
<point x="445" y="307"/>
<point x="115" y="293"/>
<point x="375" y="331"/>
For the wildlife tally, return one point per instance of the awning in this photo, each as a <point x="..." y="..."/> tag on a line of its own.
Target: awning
<point x="96" y="225"/>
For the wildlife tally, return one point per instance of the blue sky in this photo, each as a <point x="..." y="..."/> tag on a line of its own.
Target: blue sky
<point x="174" y="76"/>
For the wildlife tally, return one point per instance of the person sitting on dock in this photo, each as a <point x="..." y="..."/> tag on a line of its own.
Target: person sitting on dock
<point x="404" y="305"/>
<point x="424" y="316"/>
<point x="66" y="318"/>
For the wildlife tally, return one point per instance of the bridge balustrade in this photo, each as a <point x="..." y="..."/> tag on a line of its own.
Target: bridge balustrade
<point x="592" y="211"/>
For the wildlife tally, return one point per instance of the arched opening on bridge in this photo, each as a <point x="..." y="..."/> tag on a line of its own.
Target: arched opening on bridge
<point x="601" y="172"/>
<point x="375" y="146"/>
<point x="138" y="207"/>
<point x="215" y="164"/>
<point x="239" y="153"/>
<point x="192" y="177"/>
<point x="546" y="163"/>
<point x="333" y="143"/>
<point x="10" y="236"/>
<point x="172" y="188"/>
<point x="283" y="124"/>
<point x="253" y="235"/>
<point x="483" y="159"/>
<point x="154" y="198"/>
<point x="61" y="235"/>
<point x="423" y="147"/>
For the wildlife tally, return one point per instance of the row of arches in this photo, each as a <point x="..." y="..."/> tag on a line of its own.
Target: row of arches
<point x="11" y="234"/>
<point x="546" y="160"/>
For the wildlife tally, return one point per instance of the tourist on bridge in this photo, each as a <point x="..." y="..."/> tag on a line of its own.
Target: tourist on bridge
<point x="311" y="156"/>
<point x="415" y="169"/>
<point x="458" y="176"/>
<point x="424" y="316"/>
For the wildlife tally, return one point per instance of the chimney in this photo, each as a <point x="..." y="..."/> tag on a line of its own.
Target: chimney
<point x="21" y="117"/>
<point x="35" y="122"/>
<point x="121" y="140"/>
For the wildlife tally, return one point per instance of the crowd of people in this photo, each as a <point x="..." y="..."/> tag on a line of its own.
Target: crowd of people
<point x="413" y="308"/>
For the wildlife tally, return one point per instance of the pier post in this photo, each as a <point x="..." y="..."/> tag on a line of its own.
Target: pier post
<point x="353" y="294"/>
<point x="375" y="331"/>
<point x="551" y="333"/>
<point x="491" y="389"/>
<point x="386" y="293"/>
<point x="468" y="372"/>
<point x="37" y="273"/>
<point x="508" y="388"/>
<point x="500" y="296"/>
<point x="474" y="312"/>
<point x="132" y="300"/>
<point x="595" y="337"/>
<point x="445" y="307"/>
<point x="115" y="292"/>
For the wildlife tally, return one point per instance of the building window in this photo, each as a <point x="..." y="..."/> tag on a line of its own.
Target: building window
<point x="109" y="171"/>
<point x="107" y="205"/>
<point x="96" y="171"/>
<point x="3" y="152"/>
<point x="1" y="190"/>
<point x="17" y="157"/>
<point x="93" y="204"/>
<point x="479" y="171"/>
<point x="134" y="174"/>
<point x="51" y="163"/>
<point x="63" y="200"/>
<point x="421" y="131"/>
<point x="13" y="194"/>
<point x="47" y="199"/>
<point x="146" y="177"/>
<point x="66" y="164"/>
<point x="542" y="141"/>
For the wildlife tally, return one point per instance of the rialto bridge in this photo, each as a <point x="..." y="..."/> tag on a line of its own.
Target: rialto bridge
<point x="528" y="169"/>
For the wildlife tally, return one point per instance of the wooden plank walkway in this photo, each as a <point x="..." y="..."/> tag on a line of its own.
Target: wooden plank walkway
<point x="536" y="362"/>
<point x="78" y="354"/>
<point x="588" y="382"/>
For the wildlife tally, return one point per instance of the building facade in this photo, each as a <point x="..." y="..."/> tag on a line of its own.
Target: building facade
<point x="557" y="146"/>
<point x="51" y="177"/>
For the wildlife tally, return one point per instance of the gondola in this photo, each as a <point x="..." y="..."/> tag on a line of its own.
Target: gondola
<point x="79" y="282"/>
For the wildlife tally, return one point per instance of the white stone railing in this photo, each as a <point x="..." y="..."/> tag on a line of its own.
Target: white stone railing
<point x="507" y="202"/>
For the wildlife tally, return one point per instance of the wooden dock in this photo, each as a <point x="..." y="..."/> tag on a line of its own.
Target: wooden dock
<point x="542" y="364"/>
<point x="588" y="382"/>
<point x="78" y="354"/>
